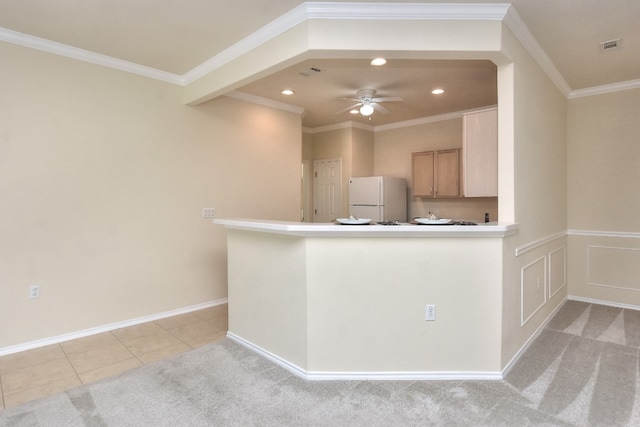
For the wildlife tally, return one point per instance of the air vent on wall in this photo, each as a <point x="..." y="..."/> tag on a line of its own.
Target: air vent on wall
<point x="311" y="71"/>
<point x="609" y="45"/>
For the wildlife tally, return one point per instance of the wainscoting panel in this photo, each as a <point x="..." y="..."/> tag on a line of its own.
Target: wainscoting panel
<point x="533" y="285"/>
<point x="613" y="267"/>
<point x="557" y="270"/>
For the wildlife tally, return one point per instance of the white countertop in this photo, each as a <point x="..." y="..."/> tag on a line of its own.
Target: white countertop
<point x="308" y="229"/>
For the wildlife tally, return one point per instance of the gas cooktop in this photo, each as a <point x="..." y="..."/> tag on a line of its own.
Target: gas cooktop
<point x="415" y="223"/>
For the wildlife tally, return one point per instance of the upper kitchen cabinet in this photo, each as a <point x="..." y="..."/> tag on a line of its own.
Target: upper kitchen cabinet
<point x="436" y="173"/>
<point x="480" y="153"/>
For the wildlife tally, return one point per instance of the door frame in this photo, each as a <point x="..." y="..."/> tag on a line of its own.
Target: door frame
<point x="338" y="160"/>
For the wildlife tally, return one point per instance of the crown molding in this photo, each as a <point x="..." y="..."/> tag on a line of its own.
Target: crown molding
<point x="414" y="11"/>
<point x="431" y="119"/>
<point x="343" y="125"/>
<point x="56" y="48"/>
<point x="264" y="101"/>
<point x="276" y="27"/>
<point x="521" y="32"/>
<point x="397" y="125"/>
<point x="333" y="10"/>
<point x="604" y="89"/>
<point x="348" y="10"/>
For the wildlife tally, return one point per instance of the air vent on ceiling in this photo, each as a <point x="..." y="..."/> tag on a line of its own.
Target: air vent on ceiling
<point x="609" y="45"/>
<point x="311" y="71"/>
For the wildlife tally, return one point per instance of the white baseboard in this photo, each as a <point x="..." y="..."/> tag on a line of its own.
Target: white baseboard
<point x="106" y="328"/>
<point x="603" y="302"/>
<point x="391" y="375"/>
<point x="515" y="358"/>
<point x="527" y="344"/>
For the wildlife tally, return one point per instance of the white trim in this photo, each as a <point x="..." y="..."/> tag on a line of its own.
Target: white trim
<point x="106" y="328"/>
<point x="520" y="250"/>
<point x="406" y="11"/>
<point x="514" y="22"/>
<point x="344" y="375"/>
<point x="343" y="125"/>
<point x="55" y="48"/>
<point x="405" y="376"/>
<point x="524" y="321"/>
<point x="591" y="233"/>
<point x="604" y="89"/>
<point x="255" y="99"/>
<point x="331" y="10"/>
<point x="603" y="302"/>
<point x="346" y="10"/>
<point x="531" y="339"/>
<point x="564" y="266"/>
<point x="276" y="27"/>
<point x="293" y="368"/>
<point x="602" y="285"/>
<point x="402" y="124"/>
<point x="432" y="119"/>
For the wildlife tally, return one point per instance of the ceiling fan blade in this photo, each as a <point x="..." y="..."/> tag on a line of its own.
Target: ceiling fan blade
<point x="349" y="108"/>
<point x="388" y="99"/>
<point x="379" y="108"/>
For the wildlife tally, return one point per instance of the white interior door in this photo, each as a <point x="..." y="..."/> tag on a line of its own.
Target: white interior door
<point x="327" y="189"/>
<point x="306" y="205"/>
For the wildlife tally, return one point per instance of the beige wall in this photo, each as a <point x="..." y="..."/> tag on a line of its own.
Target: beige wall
<point x="393" y="150"/>
<point x="362" y="150"/>
<point x="532" y="156"/>
<point x="603" y="202"/>
<point x="104" y="178"/>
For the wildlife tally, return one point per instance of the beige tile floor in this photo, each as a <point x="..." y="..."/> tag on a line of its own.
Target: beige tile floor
<point x="47" y="370"/>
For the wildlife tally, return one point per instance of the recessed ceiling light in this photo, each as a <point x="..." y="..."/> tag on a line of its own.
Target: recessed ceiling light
<point x="287" y="92"/>
<point x="354" y="111"/>
<point x="437" y="91"/>
<point x="378" y="61"/>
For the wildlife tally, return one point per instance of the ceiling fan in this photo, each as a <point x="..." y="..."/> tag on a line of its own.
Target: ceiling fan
<point x="368" y="102"/>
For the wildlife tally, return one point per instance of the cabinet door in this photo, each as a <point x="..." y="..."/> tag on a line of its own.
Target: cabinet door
<point x="422" y="174"/>
<point x="447" y="170"/>
<point x="480" y="152"/>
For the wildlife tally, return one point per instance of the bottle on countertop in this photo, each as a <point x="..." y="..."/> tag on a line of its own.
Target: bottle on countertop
<point x="486" y="217"/>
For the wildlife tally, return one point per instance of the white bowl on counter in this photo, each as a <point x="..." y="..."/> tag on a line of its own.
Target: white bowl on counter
<point x="354" y="221"/>
<point x="429" y="221"/>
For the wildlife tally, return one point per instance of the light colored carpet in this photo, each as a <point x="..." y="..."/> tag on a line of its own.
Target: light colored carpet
<point x="582" y="370"/>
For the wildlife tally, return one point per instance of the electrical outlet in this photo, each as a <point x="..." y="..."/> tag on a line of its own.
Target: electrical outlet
<point x="34" y="291"/>
<point x="430" y="312"/>
<point x="208" y="213"/>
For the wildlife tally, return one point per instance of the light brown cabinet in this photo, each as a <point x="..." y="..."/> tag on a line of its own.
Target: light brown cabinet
<point x="480" y="153"/>
<point x="436" y="173"/>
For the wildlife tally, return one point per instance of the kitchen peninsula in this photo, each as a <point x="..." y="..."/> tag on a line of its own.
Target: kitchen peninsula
<point x="348" y="301"/>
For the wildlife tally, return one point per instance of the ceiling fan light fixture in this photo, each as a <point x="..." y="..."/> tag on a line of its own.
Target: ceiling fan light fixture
<point x="366" y="109"/>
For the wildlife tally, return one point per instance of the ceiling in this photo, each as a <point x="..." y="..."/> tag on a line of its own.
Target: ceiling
<point x="176" y="37"/>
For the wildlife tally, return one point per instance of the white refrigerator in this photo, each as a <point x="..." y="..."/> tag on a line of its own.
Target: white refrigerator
<point x="380" y="198"/>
